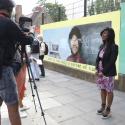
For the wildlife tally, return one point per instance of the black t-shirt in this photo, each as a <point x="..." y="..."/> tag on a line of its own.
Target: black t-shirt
<point x="10" y="35"/>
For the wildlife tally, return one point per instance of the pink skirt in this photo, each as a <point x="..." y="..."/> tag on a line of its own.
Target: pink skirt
<point x="106" y="83"/>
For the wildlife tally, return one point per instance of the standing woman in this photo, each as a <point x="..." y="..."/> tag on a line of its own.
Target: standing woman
<point x="106" y="70"/>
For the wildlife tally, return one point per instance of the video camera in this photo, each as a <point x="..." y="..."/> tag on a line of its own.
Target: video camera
<point x="25" y="23"/>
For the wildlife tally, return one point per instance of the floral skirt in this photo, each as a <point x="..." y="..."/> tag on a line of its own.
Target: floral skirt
<point x="106" y="83"/>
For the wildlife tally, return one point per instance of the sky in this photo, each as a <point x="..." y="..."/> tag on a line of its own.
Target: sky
<point x="28" y="5"/>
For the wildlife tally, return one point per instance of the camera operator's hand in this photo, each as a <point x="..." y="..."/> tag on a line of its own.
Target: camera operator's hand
<point x="26" y="33"/>
<point x="96" y="73"/>
<point x="100" y="74"/>
<point x="30" y="41"/>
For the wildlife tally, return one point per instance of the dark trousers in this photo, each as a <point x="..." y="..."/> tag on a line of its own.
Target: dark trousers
<point x="42" y="66"/>
<point x="42" y="70"/>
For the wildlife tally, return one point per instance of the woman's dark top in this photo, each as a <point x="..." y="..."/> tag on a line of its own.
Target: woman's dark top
<point x="108" y="60"/>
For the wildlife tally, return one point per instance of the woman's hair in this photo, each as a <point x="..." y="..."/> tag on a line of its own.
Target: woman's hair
<point x="111" y="35"/>
<point x="75" y="31"/>
<point x="39" y="37"/>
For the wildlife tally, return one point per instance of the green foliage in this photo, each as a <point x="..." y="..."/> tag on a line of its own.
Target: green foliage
<point x="111" y="5"/>
<point x="99" y="4"/>
<point x="117" y="5"/>
<point x="91" y="9"/>
<point x="56" y="11"/>
<point x="102" y="6"/>
<point x="41" y="1"/>
<point x="122" y="0"/>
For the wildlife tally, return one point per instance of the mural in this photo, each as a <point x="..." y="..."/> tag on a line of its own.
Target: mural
<point x="77" y="43"/>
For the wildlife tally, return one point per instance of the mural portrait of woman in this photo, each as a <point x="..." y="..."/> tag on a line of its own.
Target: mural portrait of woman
<point x="75" y="44"/>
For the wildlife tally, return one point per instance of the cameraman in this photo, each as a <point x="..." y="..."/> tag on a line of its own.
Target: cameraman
<point x="10" y="36"/>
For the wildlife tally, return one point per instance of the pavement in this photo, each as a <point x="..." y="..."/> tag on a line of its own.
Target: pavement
<point x="68" y="101"/>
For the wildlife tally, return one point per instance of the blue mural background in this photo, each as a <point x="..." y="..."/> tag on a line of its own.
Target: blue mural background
<point x="57" y="40"/>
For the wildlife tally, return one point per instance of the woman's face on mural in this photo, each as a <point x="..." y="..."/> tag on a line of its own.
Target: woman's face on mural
<point x="74" y="44"/>
<point x="104" y="35"/>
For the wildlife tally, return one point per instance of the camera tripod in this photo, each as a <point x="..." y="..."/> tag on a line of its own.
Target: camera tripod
<point x="30" y="74"/>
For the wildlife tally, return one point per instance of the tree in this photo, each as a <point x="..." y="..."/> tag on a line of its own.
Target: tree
<point x="109" y="5"/>
<point x="112" y="5"/>
<point x="106" y="4"/>
<point x="41" y="1"/>
<point x="91" y="8"/>
<point x="117" y="5"/>
<point x="56" y="11"/>
<point x="102" y="6"/>
<point x="99" y="4"/>
<point x="96" y="7"/>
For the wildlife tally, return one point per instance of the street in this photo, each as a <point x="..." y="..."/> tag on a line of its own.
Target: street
<point x="68" y="101"/>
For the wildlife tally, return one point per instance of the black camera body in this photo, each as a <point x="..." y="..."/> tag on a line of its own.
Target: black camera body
<point x="25" y="23"/>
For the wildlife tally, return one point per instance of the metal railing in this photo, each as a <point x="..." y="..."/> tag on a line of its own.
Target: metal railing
<point x="81" y="8"/>
<point x="77" y="9"/>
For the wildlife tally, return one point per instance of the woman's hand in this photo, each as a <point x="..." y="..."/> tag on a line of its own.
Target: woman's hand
<point x="100" y="74"/>
<point x="96" y="73"/>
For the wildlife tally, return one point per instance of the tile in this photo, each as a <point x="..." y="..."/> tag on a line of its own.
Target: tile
<point x="63" y="113"/>
<point x="67" y="98"/>
<point x="75" y="121"/>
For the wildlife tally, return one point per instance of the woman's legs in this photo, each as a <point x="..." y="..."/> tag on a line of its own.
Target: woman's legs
<point x="42" y="66"/>
<point x="110" y="96"/>
<point x="14" y="114"/>
<point x="109" y="100"/>
<point x="103" y="101"/>
<point x="37" y="71"/>
<point x="42" y="70"/>
<point x="103" y="96"/>
<point x="108" y="105"/>
<point x="20" y="103"/>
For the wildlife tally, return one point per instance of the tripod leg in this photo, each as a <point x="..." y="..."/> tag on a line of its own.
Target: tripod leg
<point x="32" y="89"/>
<point x="35" y="87"/>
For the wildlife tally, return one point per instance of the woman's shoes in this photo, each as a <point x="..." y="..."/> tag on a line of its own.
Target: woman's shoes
<point x="100" y="111"/>
<point x="23" y="114"/>
<point x="106" y="113"/>
<point x="37" y="79"/>
<point x="24" y="108"/>
<point x="42" y="76"/>
<point x="31" y="80"/>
